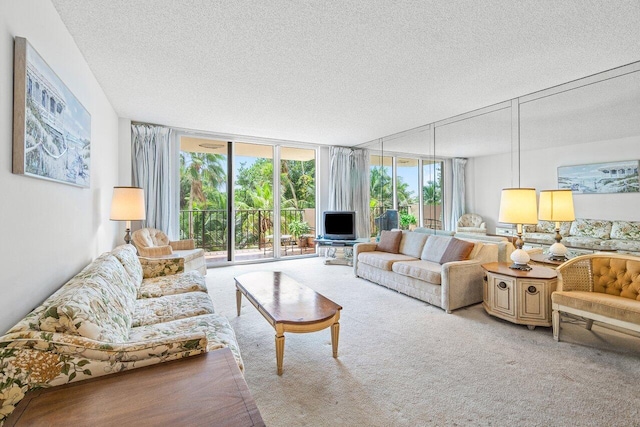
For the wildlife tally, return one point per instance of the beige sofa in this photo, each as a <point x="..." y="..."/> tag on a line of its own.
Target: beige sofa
<point x="107" y="319"/>
<point x="414" y="270"/>
<point x="621" y="236"/>
<point x="599" y="287"/>
<point x="505" y="247"/>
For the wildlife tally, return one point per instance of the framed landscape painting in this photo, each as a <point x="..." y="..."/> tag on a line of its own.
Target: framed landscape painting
<point x="51" y="128"/>
<point x="611" y="177"/>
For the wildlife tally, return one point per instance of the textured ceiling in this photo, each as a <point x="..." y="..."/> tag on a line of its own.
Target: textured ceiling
<point x="339" y="72"/>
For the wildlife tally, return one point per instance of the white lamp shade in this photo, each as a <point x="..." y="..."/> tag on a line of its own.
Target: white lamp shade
<point x="518" y="206"/>
<point x="556" y="205"/>
<point x="127" y="204"/>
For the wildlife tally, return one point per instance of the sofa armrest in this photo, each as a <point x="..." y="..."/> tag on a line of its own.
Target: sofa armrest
<point x="155" y="251"/>
<point x="58" y="343"/>
<point x="358" y="248"/>
<point x="576" y="274"/>
<point x="461" y="284"/>
<point x="165" y="266"/>
<point x="182" y="245"/>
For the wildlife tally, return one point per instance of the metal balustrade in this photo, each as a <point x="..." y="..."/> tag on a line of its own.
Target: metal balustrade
<point x="252" y="226"/>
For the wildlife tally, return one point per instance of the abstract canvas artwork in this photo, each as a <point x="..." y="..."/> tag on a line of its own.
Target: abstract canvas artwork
<point x="51" y="128"/>
<point x="611" y="177"/>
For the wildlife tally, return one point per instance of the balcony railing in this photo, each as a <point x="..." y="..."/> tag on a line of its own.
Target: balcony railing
<point x="252" y="226"/>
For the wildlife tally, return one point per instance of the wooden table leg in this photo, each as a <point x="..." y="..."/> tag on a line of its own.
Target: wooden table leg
<point x="279" y="348"/>
<point x="238" y="300"/>
<point x="335" y="335"/>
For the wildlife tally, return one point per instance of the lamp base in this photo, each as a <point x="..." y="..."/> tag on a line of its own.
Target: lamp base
<point x="520" y="259"/>
<point x="558" y="251"/>
<point x="127" y="236"/>
<point x="522" y="267"/>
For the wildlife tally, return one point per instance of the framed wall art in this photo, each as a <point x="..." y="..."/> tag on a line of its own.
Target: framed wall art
<point x="611" y="177"/>
<point x="51" y="128"/>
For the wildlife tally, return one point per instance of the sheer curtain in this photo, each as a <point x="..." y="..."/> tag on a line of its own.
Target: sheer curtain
<point x="349" y="185"/>
<point x="155" y="159"/>
<point x="458" y="193"/>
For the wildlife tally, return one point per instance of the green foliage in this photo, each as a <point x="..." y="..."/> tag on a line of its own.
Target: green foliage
<point x="381" y="189"/>
<point x="432" y="193"/>
<point x="299" y="228"/>
<point x="406" y="220"/>
<point x="203" y="190"/>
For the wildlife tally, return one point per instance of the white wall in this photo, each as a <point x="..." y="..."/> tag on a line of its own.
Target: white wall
<point x="50" y="231"/>
<point x="486" y="176"/>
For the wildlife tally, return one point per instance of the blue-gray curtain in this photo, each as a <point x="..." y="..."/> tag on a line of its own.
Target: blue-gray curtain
<point x="349" y="185"/>
<point x="155" y="160"/>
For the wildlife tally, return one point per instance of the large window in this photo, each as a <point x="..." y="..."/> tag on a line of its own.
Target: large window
<point x="409" y="185"/>
<point x="251" y="217"/>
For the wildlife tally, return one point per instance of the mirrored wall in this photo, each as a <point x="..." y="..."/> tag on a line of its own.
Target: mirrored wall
<point x="517" y="143"/>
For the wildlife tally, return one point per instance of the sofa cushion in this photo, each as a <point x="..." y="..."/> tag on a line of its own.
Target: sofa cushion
<point x="540" y="237"/>
<point x="382" y="260"/>
<point x="97" y="303"/>
<point x="625" y="230"/>
<point x="585" y="241"/>
<point x="389" y="241"/>
<point x="215" y="327"/>
<point x="620" y="277"/>
<point x="457" y="250"/>
<point x="611" y="306"/>
<point x="171" y="307"/>
<point x="127" y="255"/>
<point x="426" y="271"/>
<point x="434" y="248"/>
<point x="621" y="245"/>
<point x="595" y="228"/>
<point x="412" y="243"/>
<point x="189" y="281"/>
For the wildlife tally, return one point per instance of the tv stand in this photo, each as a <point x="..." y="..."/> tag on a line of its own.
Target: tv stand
<point x="338" y="252"/>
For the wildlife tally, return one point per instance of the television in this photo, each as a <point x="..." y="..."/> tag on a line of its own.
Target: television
<point x="339" y="225"/>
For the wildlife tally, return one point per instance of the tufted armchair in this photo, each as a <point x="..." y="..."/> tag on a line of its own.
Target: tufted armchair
<point x="601" y="287"/>
<point x="154" y="246"/>
<point x="471" y="223"/>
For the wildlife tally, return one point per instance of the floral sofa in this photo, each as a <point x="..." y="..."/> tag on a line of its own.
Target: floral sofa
<point x="425" y="267"/>
<point x="621" y="236"/>
<point x="107" y="319"/>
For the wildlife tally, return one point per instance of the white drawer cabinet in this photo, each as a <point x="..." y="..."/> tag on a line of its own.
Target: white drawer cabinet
<point x="522" y="297"/>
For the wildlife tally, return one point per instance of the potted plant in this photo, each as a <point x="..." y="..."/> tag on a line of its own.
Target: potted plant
<point x="407" y="220"/>
<point x="299" y="229"/>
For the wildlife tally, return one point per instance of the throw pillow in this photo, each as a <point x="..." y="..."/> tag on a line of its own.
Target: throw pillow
<point x="389" y="241"/>
<point x="434" y="248"/>
<point x="457" y="250"/>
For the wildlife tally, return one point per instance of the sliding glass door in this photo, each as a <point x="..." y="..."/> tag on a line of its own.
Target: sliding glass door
<point x="254" y="223"/>
<point x="237" y="208"/>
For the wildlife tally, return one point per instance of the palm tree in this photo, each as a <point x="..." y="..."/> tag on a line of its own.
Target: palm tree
<point x="202" y="173"/>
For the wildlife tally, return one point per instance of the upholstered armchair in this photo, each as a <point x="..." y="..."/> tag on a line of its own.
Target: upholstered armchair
<point x="471" y="223"/>
<point x="154" y="246"/>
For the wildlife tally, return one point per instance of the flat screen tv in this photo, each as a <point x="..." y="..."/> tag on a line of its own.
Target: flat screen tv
<point x="339" y="225"/>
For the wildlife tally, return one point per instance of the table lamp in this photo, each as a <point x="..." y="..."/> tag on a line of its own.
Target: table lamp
<point x="127" y="205"/>
<point x="557" y="206"/>
<point x="518" y="206"/>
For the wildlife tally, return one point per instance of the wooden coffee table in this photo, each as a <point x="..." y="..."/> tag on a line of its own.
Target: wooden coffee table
<point x="289" y="307"/>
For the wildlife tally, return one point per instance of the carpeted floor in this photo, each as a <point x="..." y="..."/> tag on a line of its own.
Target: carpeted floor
<point x="404" y="362"/>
